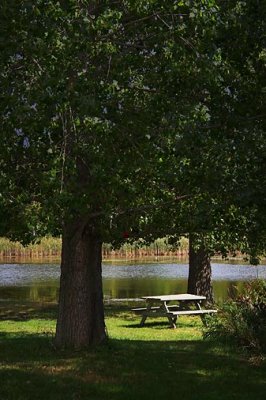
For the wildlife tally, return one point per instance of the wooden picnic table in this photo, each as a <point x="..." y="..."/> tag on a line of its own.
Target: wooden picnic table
<point x="172" y="306"/>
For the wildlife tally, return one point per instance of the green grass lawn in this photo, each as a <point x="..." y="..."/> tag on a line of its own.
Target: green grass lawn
<point x="154" y="362"/>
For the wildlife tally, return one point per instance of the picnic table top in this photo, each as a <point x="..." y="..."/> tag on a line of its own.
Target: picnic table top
<point x="177" y="297"/>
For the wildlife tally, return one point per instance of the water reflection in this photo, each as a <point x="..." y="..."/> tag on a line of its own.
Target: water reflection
<point x="40" y="282"/>
<point x="131" y="289"/>
<point x="35" y="292"/>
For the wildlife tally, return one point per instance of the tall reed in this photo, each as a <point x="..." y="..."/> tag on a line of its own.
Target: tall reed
<point x="47" y="247"/>
<point x="51" y="247"/>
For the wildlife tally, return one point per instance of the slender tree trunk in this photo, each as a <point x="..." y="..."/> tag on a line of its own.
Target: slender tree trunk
<point x="199" y="278"/>
<point x="81" y="314"/>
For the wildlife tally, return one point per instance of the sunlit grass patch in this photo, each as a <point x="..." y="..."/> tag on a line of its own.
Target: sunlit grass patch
<point x="30" y="327"/>
<point x="154" y="329"/>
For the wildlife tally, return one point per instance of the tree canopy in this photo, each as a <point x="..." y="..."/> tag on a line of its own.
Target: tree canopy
<point x="98" y="93"/>
<point x="219" y="157"/>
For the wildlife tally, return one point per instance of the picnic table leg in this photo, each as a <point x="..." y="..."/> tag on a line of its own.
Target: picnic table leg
<point x="143" y="319"/>
<point x="172" y="321"/>
<point x="203" y="317"/>
<point x="198" y="305"/>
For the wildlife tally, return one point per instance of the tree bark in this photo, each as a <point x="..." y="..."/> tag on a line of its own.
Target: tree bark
<point x="81" y="313"/>
<point x="199" y="278"/>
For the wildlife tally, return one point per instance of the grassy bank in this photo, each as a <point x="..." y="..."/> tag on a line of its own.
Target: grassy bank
<point x="153" y="362"/>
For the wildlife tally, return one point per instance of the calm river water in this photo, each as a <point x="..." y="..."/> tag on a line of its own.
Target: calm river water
<point x="40" y="282"/>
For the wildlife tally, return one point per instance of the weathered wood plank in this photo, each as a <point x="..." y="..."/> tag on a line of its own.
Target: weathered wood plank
<point x="142" y="309"/>
<point x="158" y="313"/>
<point x="175" y="297"/>
<point x="192" y="312"/>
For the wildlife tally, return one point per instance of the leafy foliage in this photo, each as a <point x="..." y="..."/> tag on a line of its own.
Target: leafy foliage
<point x="113" y="111"/>
<point x="219" y="157"/>
<point x="92" y="101"/>
<point x="243" y="320"/>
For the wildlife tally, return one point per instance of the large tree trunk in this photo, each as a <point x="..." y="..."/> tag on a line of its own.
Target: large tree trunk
<point x="199" y="278"/>
<point x="81" y="314"/>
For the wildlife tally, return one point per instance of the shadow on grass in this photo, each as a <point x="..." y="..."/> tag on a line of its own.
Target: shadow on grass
<point x="148" y="325"/>
<point x="14" y="311"/>
<point x="125" y="369"/>
<point x="29" y="385"/>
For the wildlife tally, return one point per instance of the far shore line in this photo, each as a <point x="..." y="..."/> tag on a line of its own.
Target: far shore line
<point x="122" y="259"/>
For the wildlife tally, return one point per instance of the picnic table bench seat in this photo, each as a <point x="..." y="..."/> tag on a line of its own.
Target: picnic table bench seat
<point x="150" y="312"/>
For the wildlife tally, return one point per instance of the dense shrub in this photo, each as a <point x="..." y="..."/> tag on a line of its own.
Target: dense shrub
<point x="242" y="320"/>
